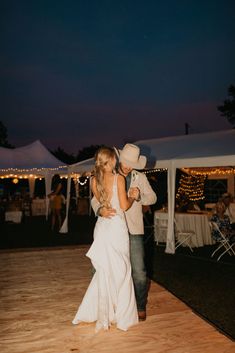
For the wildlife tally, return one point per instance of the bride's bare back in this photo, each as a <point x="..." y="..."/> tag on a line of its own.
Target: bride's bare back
<point x="124" y="200"/>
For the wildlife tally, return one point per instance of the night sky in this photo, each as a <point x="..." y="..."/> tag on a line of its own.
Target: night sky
<point x="76" y="73"/>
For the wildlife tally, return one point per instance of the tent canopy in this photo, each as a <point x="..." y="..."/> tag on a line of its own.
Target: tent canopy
<point x="33" y="159"/>
<point x="212" y="149"/>
<point x="196" y="150"/>
<point x="28" y="158"/>
<point x="81" y="167"/>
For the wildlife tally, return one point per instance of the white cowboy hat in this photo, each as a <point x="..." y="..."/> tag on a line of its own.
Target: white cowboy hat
<point x="130" y="156"/>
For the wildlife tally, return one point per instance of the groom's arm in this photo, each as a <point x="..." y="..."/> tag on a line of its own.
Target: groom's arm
<point x="101" y="210"/>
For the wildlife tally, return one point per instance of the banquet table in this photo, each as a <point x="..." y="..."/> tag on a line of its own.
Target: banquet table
<point x="38" y="207"/>
<point x="13" y="216"/>
<point x="197" y="222"/>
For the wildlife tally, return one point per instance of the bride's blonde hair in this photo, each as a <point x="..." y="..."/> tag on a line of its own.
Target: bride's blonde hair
<point x="103" y="159"/>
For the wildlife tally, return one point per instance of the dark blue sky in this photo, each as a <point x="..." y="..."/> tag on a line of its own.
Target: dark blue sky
<point x="76" y="73"/>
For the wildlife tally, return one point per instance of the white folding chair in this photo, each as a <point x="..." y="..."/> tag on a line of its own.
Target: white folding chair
<point x="223" y="242"/>
<point x="182" y="236"/>
<point x="160" y="228"/>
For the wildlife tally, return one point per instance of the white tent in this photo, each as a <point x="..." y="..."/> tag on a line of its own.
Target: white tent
<point x="34" y="156"/>
<point x="33" y="160"/>
<point x="76" y="168"/>
<point x="82" y="167"/>
<point x="213" y="149"/>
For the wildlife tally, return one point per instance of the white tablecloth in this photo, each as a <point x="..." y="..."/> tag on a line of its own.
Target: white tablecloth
<point x="38" y="207"/>
<point x="199" y="223"/>
<point x="13" y="216"/>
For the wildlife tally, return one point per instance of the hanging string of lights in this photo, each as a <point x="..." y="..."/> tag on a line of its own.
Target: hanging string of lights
<point x="29" y="170"/>
<point x="150" y="171"/>
<point x="82" y="183"/>
<point x="192" y="187"/>
<point x="210" y="171"/>
<point x="37" y="172"/>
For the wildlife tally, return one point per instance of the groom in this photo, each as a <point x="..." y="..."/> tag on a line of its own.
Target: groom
<point x="130" y="160"/>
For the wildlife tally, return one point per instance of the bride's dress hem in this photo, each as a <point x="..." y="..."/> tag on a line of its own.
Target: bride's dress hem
<point x="100" y="327"/>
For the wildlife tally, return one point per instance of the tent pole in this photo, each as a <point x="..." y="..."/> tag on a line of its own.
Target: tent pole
<point x="64" y="228"/>
<point x="170" y="242"/>
<point x="48" y="178"/>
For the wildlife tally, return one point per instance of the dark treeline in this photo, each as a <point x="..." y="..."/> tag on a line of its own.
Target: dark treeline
<point x="84" y="153"/>
<point x="4" y="136"/>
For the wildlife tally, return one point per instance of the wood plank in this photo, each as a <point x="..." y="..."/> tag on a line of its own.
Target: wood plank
<point x="40" y="293"/>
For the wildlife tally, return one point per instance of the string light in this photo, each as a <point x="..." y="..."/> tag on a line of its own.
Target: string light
<point x="84" y="182"/>
<point x="155" y="170"/>
<point x="210" y="171"/>
<point x="28" y="170"/>
<point x="37" y="173"/>
<point x="191" y="187"/>
<point x="77" y="180"/>
<point x="18" y="176"/>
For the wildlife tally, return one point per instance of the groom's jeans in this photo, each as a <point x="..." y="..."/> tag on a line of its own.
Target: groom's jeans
<point x="138" y="270"/>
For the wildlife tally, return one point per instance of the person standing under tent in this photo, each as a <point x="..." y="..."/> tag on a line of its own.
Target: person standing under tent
<point x="56" y="202"/>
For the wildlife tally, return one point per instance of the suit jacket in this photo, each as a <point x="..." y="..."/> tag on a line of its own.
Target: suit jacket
<point x="134" y="215"/>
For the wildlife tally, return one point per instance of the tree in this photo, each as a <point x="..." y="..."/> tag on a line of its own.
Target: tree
<point x="64" y="156"/>
<point x="3" y="136"/>
<point x="87" y="152"/>
<point x="228" y="108"/>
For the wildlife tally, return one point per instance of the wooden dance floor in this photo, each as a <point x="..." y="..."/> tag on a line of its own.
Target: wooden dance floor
<point x="40" y="293"/>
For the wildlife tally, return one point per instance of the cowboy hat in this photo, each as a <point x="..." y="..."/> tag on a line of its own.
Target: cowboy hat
<point x="130" y="156"/>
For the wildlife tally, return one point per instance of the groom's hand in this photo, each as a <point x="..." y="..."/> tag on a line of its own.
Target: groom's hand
<point x="107" y="212"/>
<point x="134" y="192"/>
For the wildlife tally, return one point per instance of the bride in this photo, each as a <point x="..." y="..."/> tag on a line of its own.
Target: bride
<point x="110" y="297"/>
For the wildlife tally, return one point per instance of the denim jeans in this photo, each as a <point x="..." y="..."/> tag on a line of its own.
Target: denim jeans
<point x="138" y="270"/>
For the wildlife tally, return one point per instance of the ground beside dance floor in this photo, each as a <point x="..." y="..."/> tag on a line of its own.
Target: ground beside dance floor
<point x="42" y="288"/>
<point x="207" y="286"/>
<point x="204" y="284"/>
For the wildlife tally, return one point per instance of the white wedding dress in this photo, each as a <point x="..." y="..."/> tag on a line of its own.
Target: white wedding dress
<point x="110" y="297"/>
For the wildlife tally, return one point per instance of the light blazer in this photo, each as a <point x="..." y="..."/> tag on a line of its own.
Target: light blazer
<point x="134" y="215"/>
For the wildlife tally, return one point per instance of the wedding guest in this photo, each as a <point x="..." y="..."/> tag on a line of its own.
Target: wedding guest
<point x="56" y="202"/>
<point x="223" y="222"/>
<point x="227" y="199"/>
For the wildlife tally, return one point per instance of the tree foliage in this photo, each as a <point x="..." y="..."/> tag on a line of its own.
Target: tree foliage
<point x="83" y="154"/>
<point x="64" y="156"/>
<point x="228" y="108"/>
<point x="87" y="152"/>
<point x="4" y="136"/>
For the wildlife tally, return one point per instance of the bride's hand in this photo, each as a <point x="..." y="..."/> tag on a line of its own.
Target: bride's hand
<point x="134" y="192"/>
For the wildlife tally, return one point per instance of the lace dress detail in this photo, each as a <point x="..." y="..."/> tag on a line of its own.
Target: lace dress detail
<point x="110" y="297"/>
